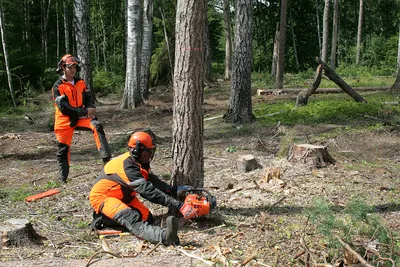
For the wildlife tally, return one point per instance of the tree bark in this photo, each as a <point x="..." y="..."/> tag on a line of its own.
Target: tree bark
<point x="359" y="31"/>
<point x="228" y="41"/>
<point x="294" y="42"/>
<point x="325" y="31"/>
<point x="318" y="27"/>
<point x="281" y="46"/>
<point x="334" y="33"/>
<point x="398" y="52"/>
<point x="240" y="106"/>
<point x="187" y="146"/>
<point x="275" y="52"/>
<point x="5" y="51"/>
<point x="66" y="28"/>
<point x="146" y="47"/>
<point x="82" y="36"/>
<point x="316" y="156"/>
<point x="207" y="52"/>
<point x="132" y="95"/>
<point x="167" y="44"/>
<point x="339" y="81"/>
<point x="302" y="97"/>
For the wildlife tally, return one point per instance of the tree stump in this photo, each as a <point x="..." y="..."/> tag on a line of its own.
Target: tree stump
<point x="17" y="233"/>
<point x="314" y="155"/>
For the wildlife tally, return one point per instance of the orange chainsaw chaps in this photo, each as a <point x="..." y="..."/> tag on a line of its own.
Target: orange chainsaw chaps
<point x="199" y="204"/>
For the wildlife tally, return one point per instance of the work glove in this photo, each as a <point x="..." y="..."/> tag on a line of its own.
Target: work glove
<point x="81" y="112"/>
<point x="188" y="211"/>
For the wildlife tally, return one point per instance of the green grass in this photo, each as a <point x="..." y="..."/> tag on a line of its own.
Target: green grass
<point x="330" y="109"/>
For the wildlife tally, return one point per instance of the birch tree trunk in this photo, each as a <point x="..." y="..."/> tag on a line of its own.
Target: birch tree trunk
<point x="359" y="31"/>
<point x="132" y="97"/>
<point x="325" y="32"/>
<point x="334" y="33"/>
<point x="82" y="36"/>
<point x="187" y="133"/>
<point x="281" y="46"/>
<point x="318" y="27"/>
<point x="146" y="47"/>
<point x="228" y="41"/>
<point x="5" y="52"/>
<point x="240" y="106"/>
<point x="66" y="27"/>
<point x="275" y="52"/>
<point x="104" y="44"/>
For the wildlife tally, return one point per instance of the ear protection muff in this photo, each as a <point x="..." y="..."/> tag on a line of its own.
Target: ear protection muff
<point x="61" y="64"/>
<point x="136" y="150"/>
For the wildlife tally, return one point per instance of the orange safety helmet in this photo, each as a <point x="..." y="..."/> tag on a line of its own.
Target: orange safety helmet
<point x="68" y="59"/>
<point x="141" y="141"/>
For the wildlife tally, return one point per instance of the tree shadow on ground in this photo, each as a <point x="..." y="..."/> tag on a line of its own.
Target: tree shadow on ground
<point x="282" y="210"/>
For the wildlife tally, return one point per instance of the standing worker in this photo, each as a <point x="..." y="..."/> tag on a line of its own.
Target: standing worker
<point x="113" y="196"/>
<point x="74" y="109"/>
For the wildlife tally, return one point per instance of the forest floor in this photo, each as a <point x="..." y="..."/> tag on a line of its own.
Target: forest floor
<point x="257" y="223"/>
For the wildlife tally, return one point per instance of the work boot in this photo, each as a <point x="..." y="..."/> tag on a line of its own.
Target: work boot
<point x="170" y="236"/>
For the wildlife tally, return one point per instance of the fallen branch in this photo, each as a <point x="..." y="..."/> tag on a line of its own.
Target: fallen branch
<point x="206" y="230"/>
<point x="277" y="202"/>
<point x="349" y="249"/>
<point x="195" y="257"/>
<point x="249" y="259"/>
<point x="98" y="253"/>
<point x="155" y="247"/>
<point x="223" y="259"/>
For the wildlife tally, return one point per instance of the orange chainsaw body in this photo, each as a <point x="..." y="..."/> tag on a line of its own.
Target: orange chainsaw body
<point x="199" y="203"/>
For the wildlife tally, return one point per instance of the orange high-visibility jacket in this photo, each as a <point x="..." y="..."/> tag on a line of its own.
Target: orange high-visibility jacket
<point x="123" y="177"/>
<point x="70" y="102"/>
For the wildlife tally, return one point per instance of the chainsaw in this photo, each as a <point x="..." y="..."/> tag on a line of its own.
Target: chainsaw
<point x="199" y="198"/>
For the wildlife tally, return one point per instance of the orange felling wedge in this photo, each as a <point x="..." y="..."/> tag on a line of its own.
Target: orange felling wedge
<point x="42" y="195"/>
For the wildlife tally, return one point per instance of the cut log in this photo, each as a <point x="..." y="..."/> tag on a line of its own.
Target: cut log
<point x="339" y="82"/>
<point x="18" y="233"/>
<point x="316" y="156"/>
<point x="332" y="90"/>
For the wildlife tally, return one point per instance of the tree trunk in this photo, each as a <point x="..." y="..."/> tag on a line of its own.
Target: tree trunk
<point x="294" y="42"/>
<point x="359" y="31"/>
<point x="325" y="32"/>
<point x="302" y="97"/>
<point x="318" y="27"/>
<point x="339" y="81"/>
<point x="334" y="33"/>
<point x="167" y="44"/>
<point x="66" y="28"/>
<point x="5" y="52"/>
<point x="18" y="233"/>
<point x="104" y="38"/>
<point x="281" y="46"/>
<point x="398" y="52"/>
<point x="57" y="31"/>
<point x="187" y="146"/>
<point x="132" y="95"/>
<point x="275" y="52"/>
<point x="228" y="41"/>
<point x="240" y="106"/>
<point x="82" y="36"/>
<point x="146" y="47"/>
<point x="207" y="52"/>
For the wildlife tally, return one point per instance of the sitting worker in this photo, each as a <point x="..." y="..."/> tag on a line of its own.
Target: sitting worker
<point x="74" y="109"/>
<point x="113" y="194"/>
